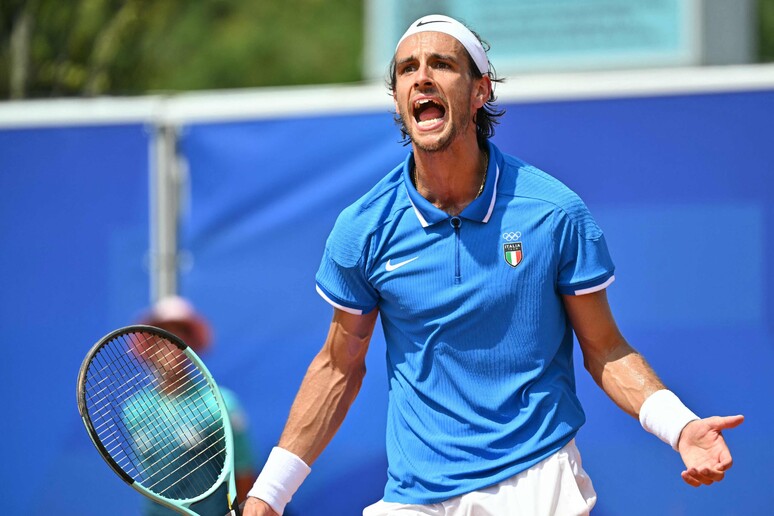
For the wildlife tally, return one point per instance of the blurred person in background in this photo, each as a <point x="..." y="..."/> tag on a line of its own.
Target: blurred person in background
<point x="481" y="268"/>
<point x="179" y="317"/>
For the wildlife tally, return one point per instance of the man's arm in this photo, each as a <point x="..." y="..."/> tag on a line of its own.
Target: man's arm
<point x="328" y="389"/>
<point x="628" y="380"/>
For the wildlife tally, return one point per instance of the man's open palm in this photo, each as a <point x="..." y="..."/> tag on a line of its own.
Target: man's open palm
<point x="704" y="451"/>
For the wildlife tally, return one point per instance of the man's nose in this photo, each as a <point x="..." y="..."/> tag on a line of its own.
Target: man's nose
<point x="424" y="75"/>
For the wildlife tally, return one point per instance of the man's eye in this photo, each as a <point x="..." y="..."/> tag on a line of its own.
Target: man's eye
<point x="408" y="69"/>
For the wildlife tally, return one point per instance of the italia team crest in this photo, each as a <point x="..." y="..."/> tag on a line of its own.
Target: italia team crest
<point x="513" y="253"/>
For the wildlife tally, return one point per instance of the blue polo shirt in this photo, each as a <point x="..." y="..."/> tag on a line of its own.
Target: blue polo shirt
<point x="479" y="348"/>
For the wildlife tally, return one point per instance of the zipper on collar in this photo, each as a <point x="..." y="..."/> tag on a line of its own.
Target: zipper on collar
<point x="456" y="222"/>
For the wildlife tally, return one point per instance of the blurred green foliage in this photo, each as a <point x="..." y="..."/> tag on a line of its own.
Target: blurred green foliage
<point x="52" y="48"/>
<point x="766" y="30"/>
<point x="125" y="47"/>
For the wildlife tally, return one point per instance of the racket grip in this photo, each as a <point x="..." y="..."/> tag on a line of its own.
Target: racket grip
<point x="236" y="510"/>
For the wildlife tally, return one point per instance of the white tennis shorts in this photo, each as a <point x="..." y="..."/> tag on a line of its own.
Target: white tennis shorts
<point x="557" y="486"/>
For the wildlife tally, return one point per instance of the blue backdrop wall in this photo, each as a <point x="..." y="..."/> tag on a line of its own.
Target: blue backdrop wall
<point x="682" y="186"/>
<point x="73" y="235"/>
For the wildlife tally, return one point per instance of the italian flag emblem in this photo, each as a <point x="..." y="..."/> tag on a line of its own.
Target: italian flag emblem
<point x="513" y="253"/>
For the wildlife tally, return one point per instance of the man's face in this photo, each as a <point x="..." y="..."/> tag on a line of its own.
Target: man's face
<point x="162" y="356"/>
<point x="435" y="94"/>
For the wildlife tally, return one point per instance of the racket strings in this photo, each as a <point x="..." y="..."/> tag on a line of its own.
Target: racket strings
<point x="190" y="471"/>
<point x="174" y="360"/>
<point x="157" y="415"/>
<point x="214" y="430"/>
<point x="111" y="407"/>
<point x="206" y="472"/>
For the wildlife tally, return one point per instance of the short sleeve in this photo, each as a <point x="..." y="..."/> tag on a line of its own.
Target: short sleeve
<point x="342" y="279"/>
<point x="345" y="288"/>
<point x="585" y="264"/>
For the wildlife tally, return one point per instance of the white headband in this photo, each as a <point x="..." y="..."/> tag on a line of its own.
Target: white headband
<point x="450" y="26"/>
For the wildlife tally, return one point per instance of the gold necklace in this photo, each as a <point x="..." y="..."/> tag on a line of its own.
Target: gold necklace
<point x="483" y="181"/>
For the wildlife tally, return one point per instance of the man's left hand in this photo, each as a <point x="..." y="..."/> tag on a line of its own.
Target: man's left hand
<point x="704" y="451"/>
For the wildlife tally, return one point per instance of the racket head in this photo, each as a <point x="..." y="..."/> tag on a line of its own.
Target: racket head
<point x="156" y="416"/>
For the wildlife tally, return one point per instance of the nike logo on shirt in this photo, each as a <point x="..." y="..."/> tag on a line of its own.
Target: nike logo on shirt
<point x="389" y="267"/>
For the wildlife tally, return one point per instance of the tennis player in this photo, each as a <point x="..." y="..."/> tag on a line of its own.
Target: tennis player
<point x="481" y="267"/>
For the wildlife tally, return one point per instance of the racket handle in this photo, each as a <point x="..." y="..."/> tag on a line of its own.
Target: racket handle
<point x="236" y="510"/>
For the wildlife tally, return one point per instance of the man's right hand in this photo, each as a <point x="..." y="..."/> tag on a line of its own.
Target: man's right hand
<point x="257" y="507"/>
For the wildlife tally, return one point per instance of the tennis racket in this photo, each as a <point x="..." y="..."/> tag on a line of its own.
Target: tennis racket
<point x="157" y="417"/>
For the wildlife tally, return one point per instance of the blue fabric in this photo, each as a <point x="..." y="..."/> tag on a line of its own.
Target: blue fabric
<point x="479" y="349"/>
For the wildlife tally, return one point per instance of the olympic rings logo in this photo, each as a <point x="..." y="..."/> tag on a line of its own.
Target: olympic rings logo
<point x="512" y="235"/>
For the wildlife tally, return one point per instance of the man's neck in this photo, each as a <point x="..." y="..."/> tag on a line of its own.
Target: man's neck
<point x="452" y="178"/>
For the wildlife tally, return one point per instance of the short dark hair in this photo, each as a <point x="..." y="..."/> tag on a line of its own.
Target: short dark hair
<point x="486" y="117"/>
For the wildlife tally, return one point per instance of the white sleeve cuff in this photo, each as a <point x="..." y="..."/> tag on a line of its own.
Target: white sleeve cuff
<point x="664" y="415"/>
<point x="282" y="475"/>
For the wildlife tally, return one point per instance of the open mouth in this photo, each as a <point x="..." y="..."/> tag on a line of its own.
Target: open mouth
<point x="427" y="112"/>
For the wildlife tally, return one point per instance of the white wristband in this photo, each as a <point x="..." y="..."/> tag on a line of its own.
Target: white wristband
<point x="664" y="415"/>
<point x="282" y="475"/>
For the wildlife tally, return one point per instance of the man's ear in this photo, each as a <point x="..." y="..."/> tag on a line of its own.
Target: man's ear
<point x="483" y="91"/>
